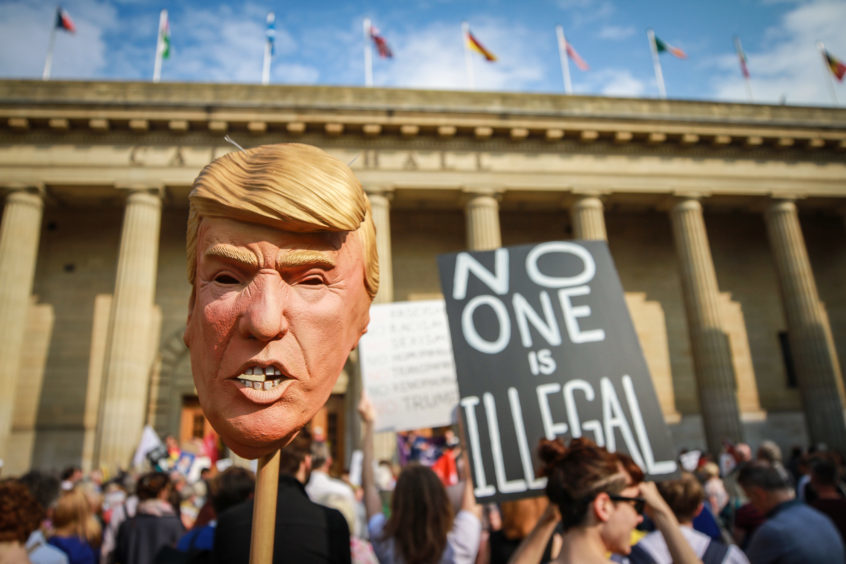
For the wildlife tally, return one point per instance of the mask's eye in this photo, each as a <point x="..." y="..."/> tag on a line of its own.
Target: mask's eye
<point x="226" y="279"/>
<point x="312" y="281"/>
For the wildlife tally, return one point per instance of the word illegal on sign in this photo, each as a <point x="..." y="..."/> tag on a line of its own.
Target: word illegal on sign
<point x="544" y="347"/>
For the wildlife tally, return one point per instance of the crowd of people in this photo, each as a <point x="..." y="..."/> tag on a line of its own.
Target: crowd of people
<point x="598" y="508"/>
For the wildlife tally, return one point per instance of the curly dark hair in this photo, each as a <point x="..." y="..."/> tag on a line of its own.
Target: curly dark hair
<point x="576" y="474"/>
<point x="421" y="516"/>
<point x="20" y="513"/>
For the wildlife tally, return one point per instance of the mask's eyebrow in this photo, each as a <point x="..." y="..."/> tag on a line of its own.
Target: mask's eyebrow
<point x="299" y="258"/>
<point x="232" y="253"/>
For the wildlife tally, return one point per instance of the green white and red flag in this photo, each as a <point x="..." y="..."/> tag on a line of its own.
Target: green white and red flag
<point x="662" y="46"/>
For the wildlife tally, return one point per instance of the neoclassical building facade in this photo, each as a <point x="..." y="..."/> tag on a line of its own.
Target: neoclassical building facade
<point x="725" y="221"/>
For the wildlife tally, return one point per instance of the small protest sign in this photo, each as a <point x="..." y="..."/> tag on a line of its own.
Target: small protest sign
<point x="407" y="366"/>
<point x="545" y="347"/>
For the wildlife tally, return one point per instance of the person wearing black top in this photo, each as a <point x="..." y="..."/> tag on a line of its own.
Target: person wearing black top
<point x="305" y="531"/>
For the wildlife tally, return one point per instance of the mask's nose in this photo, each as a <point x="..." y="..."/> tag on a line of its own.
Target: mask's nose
<point x="263" y="317"/>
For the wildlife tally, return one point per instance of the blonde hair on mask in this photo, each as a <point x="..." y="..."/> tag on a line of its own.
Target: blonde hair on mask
<point x="289" y="186"/>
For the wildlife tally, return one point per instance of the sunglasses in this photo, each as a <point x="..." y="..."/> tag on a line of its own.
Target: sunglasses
<point x="637" y="502"/>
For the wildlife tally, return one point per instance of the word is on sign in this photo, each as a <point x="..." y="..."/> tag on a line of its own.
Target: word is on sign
<point x="544" y="347"/>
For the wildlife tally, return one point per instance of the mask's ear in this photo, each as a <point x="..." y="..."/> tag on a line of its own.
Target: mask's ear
<point x="186" y="336"/>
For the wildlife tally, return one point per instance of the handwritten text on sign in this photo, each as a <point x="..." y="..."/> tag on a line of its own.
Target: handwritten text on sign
<point x="544" y="347"/>
<point x="407" y="365"/>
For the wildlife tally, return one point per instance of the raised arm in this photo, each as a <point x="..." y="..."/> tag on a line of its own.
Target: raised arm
<point x="532" y="547"/>
<point x="666" y="522"/>
<point x="372" y="503"/>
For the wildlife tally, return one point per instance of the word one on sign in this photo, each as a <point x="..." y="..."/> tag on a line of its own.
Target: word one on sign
<point x="544" y="347"/>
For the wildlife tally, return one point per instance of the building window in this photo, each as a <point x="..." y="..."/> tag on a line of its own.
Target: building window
<point x="787" y="357"/>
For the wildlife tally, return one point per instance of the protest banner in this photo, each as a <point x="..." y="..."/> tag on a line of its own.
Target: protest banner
<point x="407" y="365"/>
<point x="545" y="347"/>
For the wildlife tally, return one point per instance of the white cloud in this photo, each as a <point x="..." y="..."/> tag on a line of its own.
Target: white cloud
<point x="610" y="82"/>
<point x="788" y="65"/>
<point x="581" y="12"/>
<point x="616" y="32"/>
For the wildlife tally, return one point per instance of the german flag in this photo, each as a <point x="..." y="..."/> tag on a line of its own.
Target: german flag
<point x="474" y="45"/>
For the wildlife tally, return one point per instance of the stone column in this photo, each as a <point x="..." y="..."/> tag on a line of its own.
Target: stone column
<point x="588" y="218"/>
<point x="380" y="204"/>
<point x="709" y="342"/>
<point x="482" y="212"/>
<point x="127" y="361"/>
<point x="384" y="444"/>
<point x="817" y="369"/>
<point x="19" y="233"/>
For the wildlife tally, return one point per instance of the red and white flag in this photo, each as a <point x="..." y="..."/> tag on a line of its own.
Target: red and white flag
<point x="381" y="45"/>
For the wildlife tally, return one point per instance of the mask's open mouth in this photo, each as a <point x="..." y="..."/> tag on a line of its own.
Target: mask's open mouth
<point x="261" y="378"/>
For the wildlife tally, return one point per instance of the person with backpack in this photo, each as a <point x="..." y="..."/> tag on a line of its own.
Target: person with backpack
<point x="686" y="498"/>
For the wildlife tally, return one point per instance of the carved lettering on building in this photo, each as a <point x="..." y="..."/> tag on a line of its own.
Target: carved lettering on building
<point x="444" y="163"/>
<point x="479" y="164"/>
<point x="371" y="159"/>
<point x="410" y="163"/>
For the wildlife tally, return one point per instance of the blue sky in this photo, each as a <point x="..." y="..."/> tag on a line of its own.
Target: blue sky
<point x="320" y="42"/>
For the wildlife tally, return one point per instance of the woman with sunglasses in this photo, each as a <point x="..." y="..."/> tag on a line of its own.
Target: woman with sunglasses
<point x="599" y="498"/>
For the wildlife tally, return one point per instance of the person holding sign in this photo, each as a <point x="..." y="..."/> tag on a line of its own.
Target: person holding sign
<point x="282" y="261"/>
<point x="599" y="498"/>
<point x="422" y="528"/>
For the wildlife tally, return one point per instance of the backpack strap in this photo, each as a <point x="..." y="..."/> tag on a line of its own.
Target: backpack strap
<point x="639" y="555"/>
<point x="715" y="553"/>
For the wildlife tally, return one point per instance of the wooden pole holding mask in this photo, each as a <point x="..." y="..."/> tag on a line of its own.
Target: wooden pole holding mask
<point x="264" y="509"/>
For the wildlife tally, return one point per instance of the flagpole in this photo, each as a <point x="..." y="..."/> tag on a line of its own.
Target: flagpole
<point x="157" y="69"/>
<point x="659" y="76"/>
<point x="831" y="88"/>
<point x="265" y="67"/>
<point x="48" y="62"/>
<point x="740" y="53"/>
<point x="368" y="54"/>
<point x="468" y="60"/>
<point x="565" y="64"/>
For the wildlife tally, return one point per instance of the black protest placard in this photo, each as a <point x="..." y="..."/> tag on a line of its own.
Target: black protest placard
<point x="544" y="347"/>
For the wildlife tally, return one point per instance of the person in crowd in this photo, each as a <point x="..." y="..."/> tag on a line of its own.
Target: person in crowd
<point x="229" y="488"/>
<point x="76" y="531"/>
<point x="121" y="508"/>
<point x="793" y="531"/>
<point x="305" y="531"/>
<point x="716" y="495"/>
<point x="21" y="516"/>
<point x="829" y="499"/>
<point x="422" y="527"/>
<point x="16" y="519"/>
<point x="321" y="485"/>
<point x="70" y="476"/>
<point x="598" y="500"/>
<point x="361" y="551"/>
<point x="44" y="489"/>
<point x="769" y="451"/>
<point x="518" y="517"/>
<point x="686" y="497"/>
<point x="155" y="524"/>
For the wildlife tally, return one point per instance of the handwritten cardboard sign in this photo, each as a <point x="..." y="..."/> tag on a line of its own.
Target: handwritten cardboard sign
<point x="544" y="347"/>
<point x="407" y="365"/>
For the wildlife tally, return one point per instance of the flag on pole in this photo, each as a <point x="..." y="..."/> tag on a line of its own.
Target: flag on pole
<point x="381" y="44"/>
<point x="271" y="33"/>
<point x="64" y="21"/>
<point x="662" y="46"/>
<point x="835" y="65"/>
<point x="576" y="58"/>
<point x="741" y="57"/>
<point x="474" y="45"/>
<point x="164" y="38"/>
